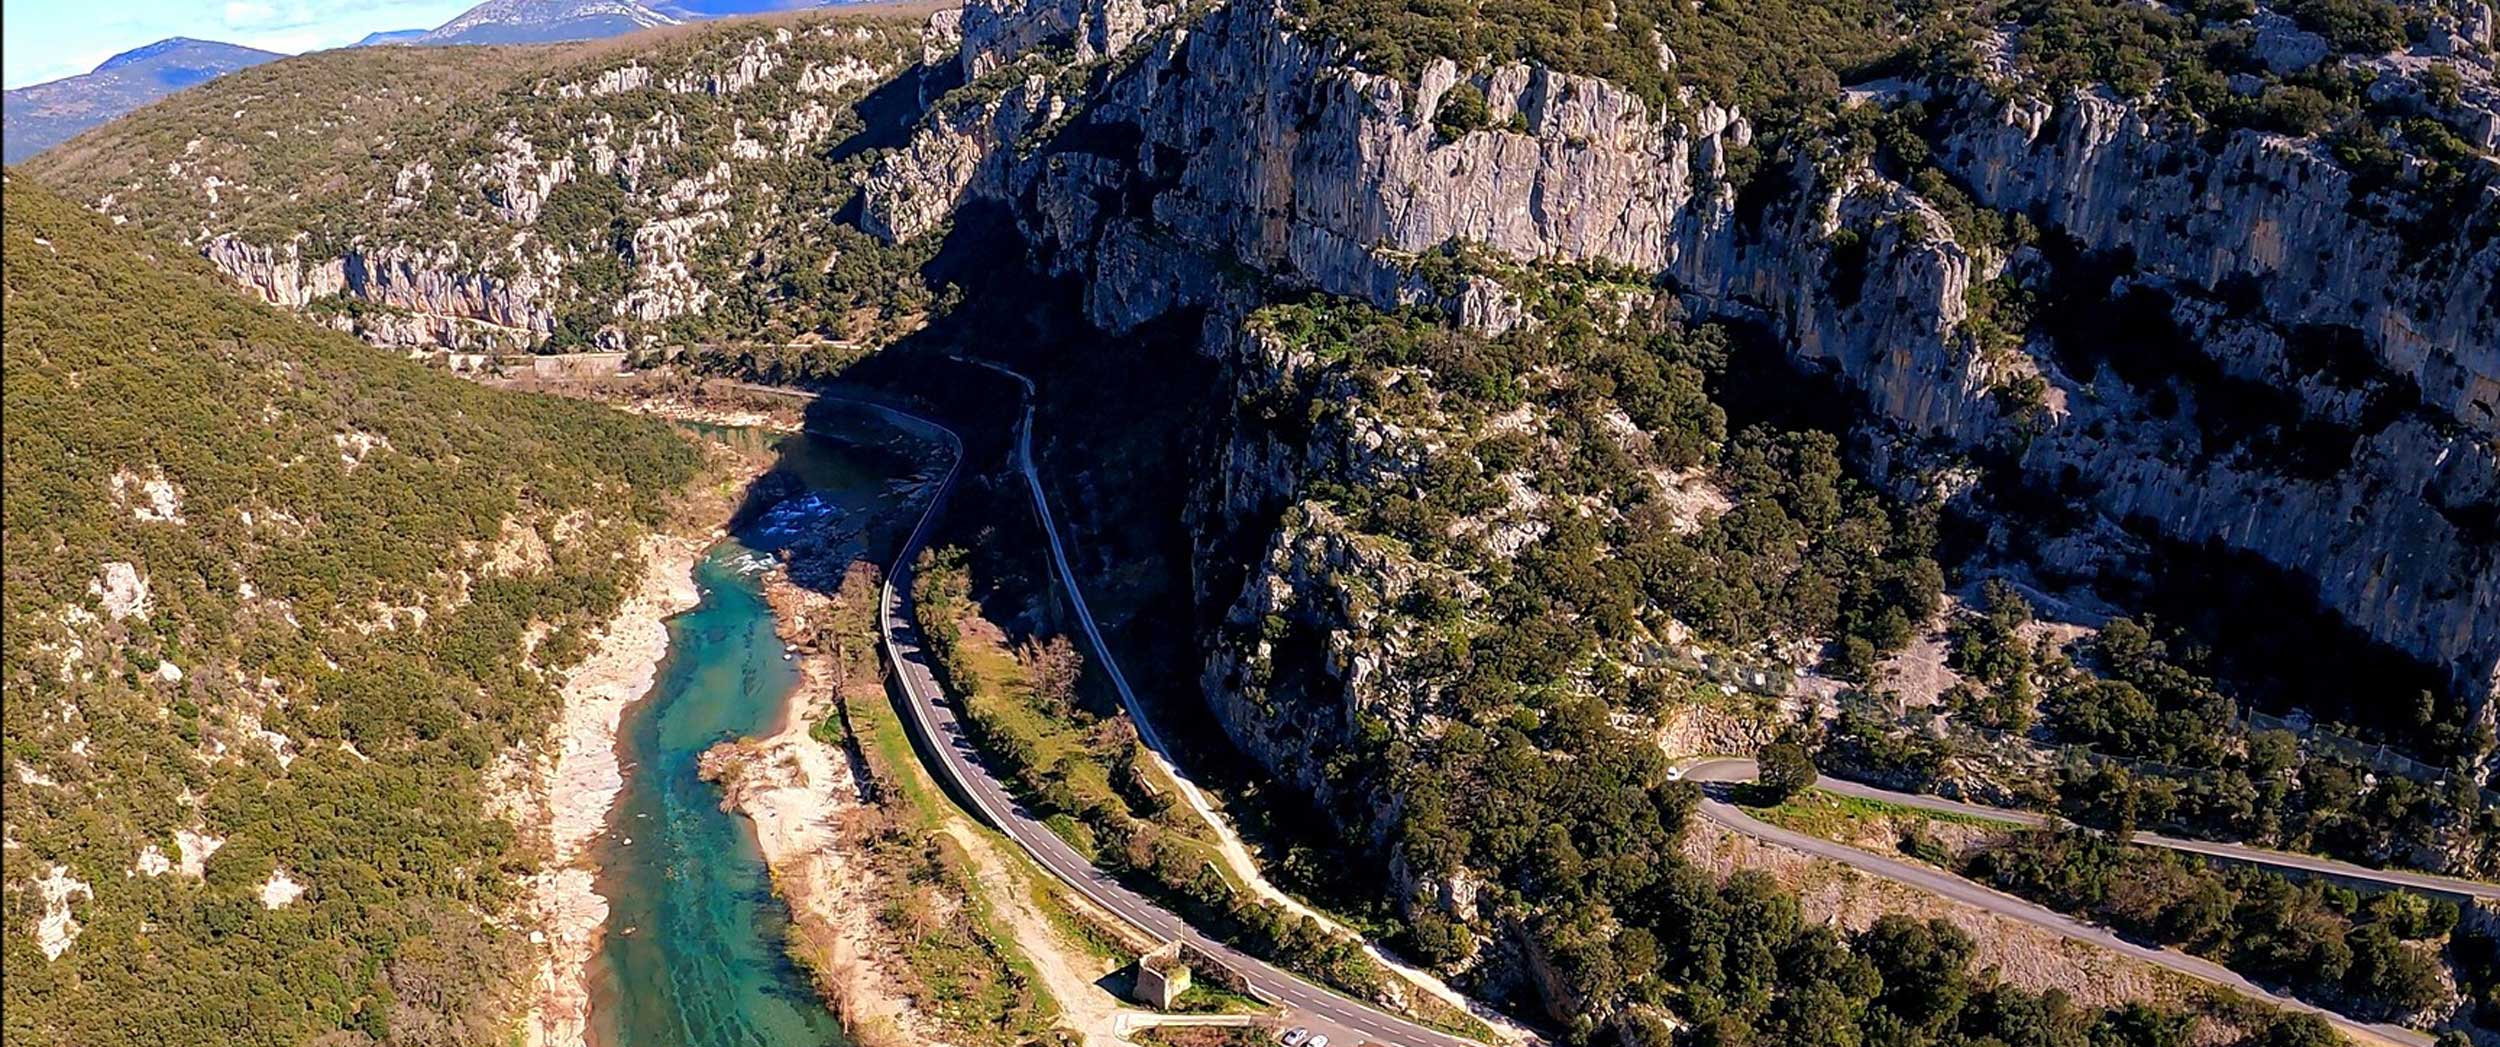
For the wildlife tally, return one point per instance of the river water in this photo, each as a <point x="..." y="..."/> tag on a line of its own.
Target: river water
<point x="694" y="952"/>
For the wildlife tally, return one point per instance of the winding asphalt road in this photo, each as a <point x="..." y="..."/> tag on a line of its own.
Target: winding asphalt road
<point x="1735" y="769"/>
<point x="1503" y="1025"/>
<point x="942" y="735"/>
<point x="1347" y="1021"/>
<point x="1944" y="884"/>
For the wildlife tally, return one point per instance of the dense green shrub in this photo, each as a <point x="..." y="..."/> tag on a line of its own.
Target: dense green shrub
<point x="2360" y="26"/>
<point x="318" y="482"/>
<point x="1462" y="111"/>
<point x="1760" y="55"/>
<point x="1786" y="771"/>
<point x="2320" y="939"/>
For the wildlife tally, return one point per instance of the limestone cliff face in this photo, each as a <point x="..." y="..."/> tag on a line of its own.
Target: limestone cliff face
<point x="433" y="300"/>
<point x="964" y="151"/>
<point x="993" y="34"/>
<point x="2259" y="206"/>
<point x="2387" y="537"/>
<point x="605" y="195"/>
<point x="1234" y="150"/>
<point x="1291" y="716"/>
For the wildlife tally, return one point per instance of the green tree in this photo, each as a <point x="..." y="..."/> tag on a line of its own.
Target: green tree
<point x="2301" y="1029"/>
<point x="1784" y="770"/>
<point x="1462" y="111"/>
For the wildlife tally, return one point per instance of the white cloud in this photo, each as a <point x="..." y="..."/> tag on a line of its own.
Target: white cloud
<point x="244" y="13"/>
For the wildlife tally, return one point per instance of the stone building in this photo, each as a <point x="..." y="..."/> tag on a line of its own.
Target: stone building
<point x="1162" y="977"/>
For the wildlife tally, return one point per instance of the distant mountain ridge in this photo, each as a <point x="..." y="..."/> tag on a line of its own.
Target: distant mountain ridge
<point x="44" y="115"/>
<point x="552" y="21"/>
<point x="390" y="36"/>
<point x="543" y="21"/>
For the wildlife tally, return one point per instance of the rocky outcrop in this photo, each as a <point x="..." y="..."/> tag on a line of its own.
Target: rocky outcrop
<point x="280" y="275"/>
<point x="599" y="198"/>
<point x="997" y="32"/>
<point x="2345" y="309"/>
<point x="964" y="151"/>
<point x="1242" y="142"/>
<point x="1292" y="717"/>
<point x="2264" y="212"/>
<point x="440" y="300"/>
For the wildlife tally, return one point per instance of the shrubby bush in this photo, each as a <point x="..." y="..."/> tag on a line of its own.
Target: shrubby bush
<point x="2326" y="942"/>
<point x="126" y="353"/>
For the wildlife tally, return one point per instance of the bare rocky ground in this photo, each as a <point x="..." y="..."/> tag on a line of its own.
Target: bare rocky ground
<point x="665" y="393"/>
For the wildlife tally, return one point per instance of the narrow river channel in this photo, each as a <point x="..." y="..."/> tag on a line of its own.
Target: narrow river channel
<point x="694" y="951"/>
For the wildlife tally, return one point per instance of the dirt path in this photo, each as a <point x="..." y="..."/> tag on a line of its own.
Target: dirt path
<point x="1072" y="973"/>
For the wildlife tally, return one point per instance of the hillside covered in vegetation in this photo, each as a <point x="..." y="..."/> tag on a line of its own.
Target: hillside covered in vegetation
<point x="276" y="603"/>
<point x="1485" y="403"/>
<point x="688" y="184"/>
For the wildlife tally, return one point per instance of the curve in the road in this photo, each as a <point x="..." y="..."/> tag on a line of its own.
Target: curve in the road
<point x="942" y="735"/>
<point x="1947" y="885"/>
<point x="1734" y="769"/>
<point x="1235" y="852"/>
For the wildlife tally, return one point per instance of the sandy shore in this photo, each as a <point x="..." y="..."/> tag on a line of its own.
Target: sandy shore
<point x="796" y="790"/>
<point x="581" y="779"/>
<point x="810" y="818"/>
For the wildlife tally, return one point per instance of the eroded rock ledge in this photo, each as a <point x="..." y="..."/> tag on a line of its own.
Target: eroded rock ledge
<point x="1228" y="140"/>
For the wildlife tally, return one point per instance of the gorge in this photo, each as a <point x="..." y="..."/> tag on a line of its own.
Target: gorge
<point x="1466" y="415"/>
<point x="695" y="946"/>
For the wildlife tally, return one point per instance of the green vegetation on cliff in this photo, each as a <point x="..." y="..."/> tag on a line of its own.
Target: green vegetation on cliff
<point x="694" y="185"/>
<point x="2150" y="742"/>
<point x="1502" y="533"/>
<point x="1784" y="61"/>
<point x="269" y="591"/>
<point x="1503" y="552"/>
<point x="350" y="115"/>
<point x="1750" y="53"/>
<point x="1083" y="768"/>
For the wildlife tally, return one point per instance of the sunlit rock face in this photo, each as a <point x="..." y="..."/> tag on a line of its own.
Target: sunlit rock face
<point x="1230" y="141"/>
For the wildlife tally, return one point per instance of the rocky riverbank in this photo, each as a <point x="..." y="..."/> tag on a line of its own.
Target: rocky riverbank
<point x="580" y="779"/>
<point x="560" y="797"/>
<point x="840" y="832"/>
<point x="804" y="797"/>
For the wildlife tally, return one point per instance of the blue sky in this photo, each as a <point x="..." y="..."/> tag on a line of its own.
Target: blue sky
<point x="49" y="39"/>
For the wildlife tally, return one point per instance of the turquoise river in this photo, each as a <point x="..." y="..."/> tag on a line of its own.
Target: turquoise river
<point x="693" y="955"/>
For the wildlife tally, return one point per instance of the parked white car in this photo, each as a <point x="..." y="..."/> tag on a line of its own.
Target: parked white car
<point x="1294" y="1037"/>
